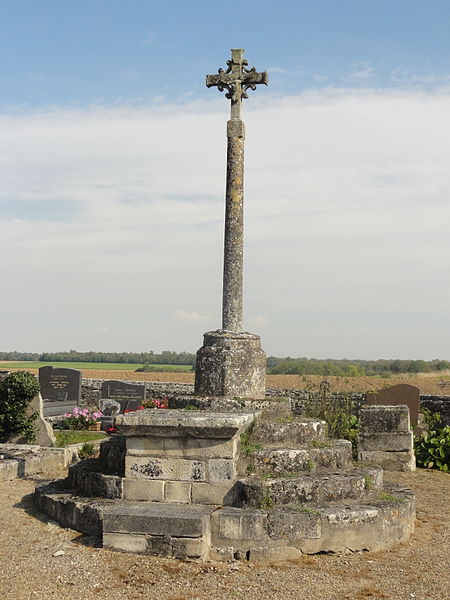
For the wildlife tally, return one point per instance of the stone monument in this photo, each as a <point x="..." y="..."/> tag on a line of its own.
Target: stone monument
<point x="231" y="362"/>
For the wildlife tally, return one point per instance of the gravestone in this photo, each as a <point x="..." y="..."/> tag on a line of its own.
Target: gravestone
<point x="128" y="395"/>
<point x="402" y="393"/>
<point x="60" y="389"/>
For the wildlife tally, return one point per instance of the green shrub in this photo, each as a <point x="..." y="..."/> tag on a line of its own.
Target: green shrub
<point x="433" y="449"/>
<point x="17" y="390"/>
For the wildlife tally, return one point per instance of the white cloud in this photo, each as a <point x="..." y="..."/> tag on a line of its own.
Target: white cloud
<point x="404" y="77"/>
<point x="257" y="321"/>
<point x="115" y="214"/>
<point x="104" y="330"/>
<point x="183" y="315"/>
<point x="360" y="71"/>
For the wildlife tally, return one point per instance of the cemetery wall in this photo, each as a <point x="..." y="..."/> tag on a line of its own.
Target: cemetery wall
<point x="90" y="394"/>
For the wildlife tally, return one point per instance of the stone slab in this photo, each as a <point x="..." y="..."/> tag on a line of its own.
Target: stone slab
<point x="390" y="461"/>
<point x="398" y="441"/>
<point x="188" y="447"/>
<point x="158" y="519"/>
<point x="384" y="419"/>
<point x="179" y="423"/>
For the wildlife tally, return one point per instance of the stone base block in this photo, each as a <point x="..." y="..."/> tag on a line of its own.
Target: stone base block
<point x="395" y="441"/>
<point x="166" y="546"/>
<point x="145" y="491"/>
<point x="157" y="519"/>
<point x="231" y="364"/>
<point x="391" y="461"/>
<point x="379" y="419"/>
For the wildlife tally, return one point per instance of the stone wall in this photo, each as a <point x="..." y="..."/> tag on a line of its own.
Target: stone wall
<point x="90" y="394"/>
<point x="440" y="404"/>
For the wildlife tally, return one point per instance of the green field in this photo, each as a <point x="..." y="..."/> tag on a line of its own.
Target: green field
<point x="84" y="366"/>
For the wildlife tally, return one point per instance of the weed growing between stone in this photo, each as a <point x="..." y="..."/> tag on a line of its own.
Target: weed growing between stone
<point x="386" y="497"/>
<point x="337" y="411"/>
<point x="247" y="447"/>
<point x="266" y="503"/>
<point x="86" y="451"/>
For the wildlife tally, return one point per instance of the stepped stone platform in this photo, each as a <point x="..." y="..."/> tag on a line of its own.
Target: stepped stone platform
<point x="223" y="485"/>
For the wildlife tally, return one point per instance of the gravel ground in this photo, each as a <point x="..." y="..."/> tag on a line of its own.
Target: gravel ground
<point x="41" y="560"/>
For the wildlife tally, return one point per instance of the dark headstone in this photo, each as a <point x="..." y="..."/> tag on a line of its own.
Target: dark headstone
<point x="60" y="389"/>
<point x="402" y="393"/>
<point x="128" y="395"/>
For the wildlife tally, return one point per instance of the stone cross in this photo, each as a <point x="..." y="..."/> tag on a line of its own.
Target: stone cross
<point x="237" y="79"/>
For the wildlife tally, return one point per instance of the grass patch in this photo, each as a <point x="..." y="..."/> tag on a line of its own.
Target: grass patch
<point x="320" y="444"/>
<point x="66" y="438"/>
<point x="386" y="497"/>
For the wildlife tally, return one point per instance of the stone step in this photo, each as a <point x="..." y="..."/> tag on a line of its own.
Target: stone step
<point x="360" y="484"/>
<point x="159" y="529"/>
<point x="229" y="533"/>
<point x="326" y="456"/>
<point x="288" y="432"/>
<point x="86" y="478"/>
<point x="282" y="533"/>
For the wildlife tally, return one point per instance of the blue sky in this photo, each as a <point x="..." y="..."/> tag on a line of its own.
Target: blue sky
<point x="112" y="162"/>
<point x="108" y="51"/>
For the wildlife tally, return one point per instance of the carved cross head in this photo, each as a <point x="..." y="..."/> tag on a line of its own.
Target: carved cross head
<point x="237" y="79"/>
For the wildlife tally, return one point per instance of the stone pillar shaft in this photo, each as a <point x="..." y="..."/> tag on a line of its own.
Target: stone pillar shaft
<point x="234" y="229"/>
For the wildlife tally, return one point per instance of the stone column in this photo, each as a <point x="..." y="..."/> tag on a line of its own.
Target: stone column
<point x="234" y="229"/>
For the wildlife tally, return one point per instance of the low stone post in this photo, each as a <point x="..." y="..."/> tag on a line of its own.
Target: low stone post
<point x="385" y="438"/>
